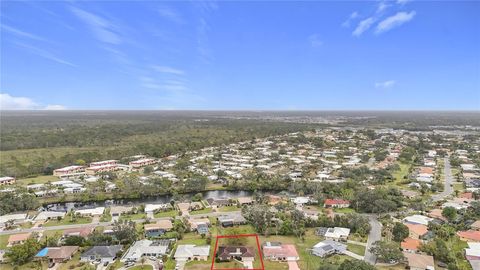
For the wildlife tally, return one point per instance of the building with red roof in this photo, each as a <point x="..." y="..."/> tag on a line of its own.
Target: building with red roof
<point x="336" y="203"/>
<point x="469" y="236"/>
<point x="410" y="245"/>
<point x="275" y="251"/>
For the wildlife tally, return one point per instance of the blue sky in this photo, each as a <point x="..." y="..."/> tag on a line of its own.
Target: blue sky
<point x="241" y="55"/>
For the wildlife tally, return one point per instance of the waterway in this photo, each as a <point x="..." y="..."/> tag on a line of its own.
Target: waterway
<point x="216" y="194"/>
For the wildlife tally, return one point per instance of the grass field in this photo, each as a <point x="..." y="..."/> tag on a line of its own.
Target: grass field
<point x="133" y="216"/>
<point x="42" y="179"/>
<point x="343" y="210"/>
<point x="67" y="221"/>
<point x="141" y="267"/>
<point x="357" y="249"/>
<point x="399" y="175"/>
<point x="228" y="208"/>
<point x="4" y="241"/>
<point x="203" y="211"/>
<point x="171" y="213"/>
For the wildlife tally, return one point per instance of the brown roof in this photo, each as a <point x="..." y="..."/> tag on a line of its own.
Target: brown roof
<point x="476" y="225"/>
<point x="470" y="235"/>
<point x="63" y="252"/>
<point x="83" y="232"/>
<point x="417" y="228"/>
<point x="18" y="237"/>
<point x="419" y="261"/>
<point x="161" y="224"/>
<point x="426" y="170"/>
<point x="231" y="250"/>
<point x="410" y="243"/>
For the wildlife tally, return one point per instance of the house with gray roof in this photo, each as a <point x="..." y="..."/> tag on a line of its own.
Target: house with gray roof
<point x="146" y="248"/>
<point x="192" y="252"/>
<point x="101" y="253"/>
<point x="328" y="247"/>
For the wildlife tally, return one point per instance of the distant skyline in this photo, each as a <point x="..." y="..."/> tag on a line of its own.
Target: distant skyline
<point x="228" y="55"/>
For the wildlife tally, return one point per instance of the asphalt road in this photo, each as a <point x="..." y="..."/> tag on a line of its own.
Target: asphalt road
<point x="63" y="227"/>
<point x="374" y="235"/>
<point x="448" y="188"/>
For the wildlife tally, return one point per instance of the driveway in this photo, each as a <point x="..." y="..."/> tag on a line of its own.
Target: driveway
<point x="292" y="265"/>
<point x="374" y="236"/>
<point x="448" y="189"/>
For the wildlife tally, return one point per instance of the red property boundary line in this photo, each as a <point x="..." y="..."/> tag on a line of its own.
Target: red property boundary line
<point x="237" y="236"/>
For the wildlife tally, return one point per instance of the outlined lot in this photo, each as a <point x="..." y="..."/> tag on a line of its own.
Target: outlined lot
<point x="216" y="266"/>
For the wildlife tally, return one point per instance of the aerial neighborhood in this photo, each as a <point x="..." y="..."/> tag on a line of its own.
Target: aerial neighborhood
<point x="331" y="198"/>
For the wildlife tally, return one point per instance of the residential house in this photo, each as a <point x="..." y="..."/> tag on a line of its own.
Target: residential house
<point x="417" y="231"/>
<point x="336" y="203"/>
<point x="475" y="225"/>
<point x="469" y="236"/>
<point x="419" y="261"/>
<point x="276" y="251"/>
<point x="417" y="219"/>
<point x="191" y="253"/>
<point x="117" y="210"/>
<point x="337" y="234"/>
<point x="311" y="213"/>
<point x="98" y="211"/>
<point x="245" y="200"/>
<point x="240" y="253"/>
<point x="231" y="219"/>
<point x="472" y="254"/>
<point x="220" y="202"/>
<point x="159" y="228"/>
<point x="7" y="180"/>
<point x="70" y="171"/>
<point x="101" y="253"/>
<point x="16" y="218"/>
<point x="146" y="247"/>
<point x="137" y="164"/>
<point x="49" y="215"/>
<point x="410" y="245"/>
<point x="18" y="239"/>
<point x="82" y="231"/>
<point x="58" y="254"/>
<point x="328" y="247"/>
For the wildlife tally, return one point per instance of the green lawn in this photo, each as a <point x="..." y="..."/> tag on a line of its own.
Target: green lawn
<point x="67" y="221"/>
<point x="42" y="179"/>
<point x="203" y="211"/>
<point x="343" y="210"/>
<point x="458" y="186"/>
<point x="4" y="241"/>
<point x="357" y="249"/>
<point x="399" y="175"/>
<point x="133" y="216"/>
<point x="141" y="267"/>
<point x="228" y="208"/>
<point x="171" y="213"/>
<point x="116" y="265"/>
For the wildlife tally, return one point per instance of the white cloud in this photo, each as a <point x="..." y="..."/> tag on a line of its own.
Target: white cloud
<point x="315" y="41"/>
<point x="363" y="26"/>
<point x="382" y="6"/>
<point x="385" y="84"/>
<point x="352" y="16"/>
<point x="45" y="54"/>
<point x="8" y="102"/>
<point x="170" y="70"/>
<point x="171" y="15"/>
<point x="101" y="28"/>
<point x="21" y="33"/>
<point x="55" y="108"/>
<point x="402" y="2"/>
<point x="394" y="21"/>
